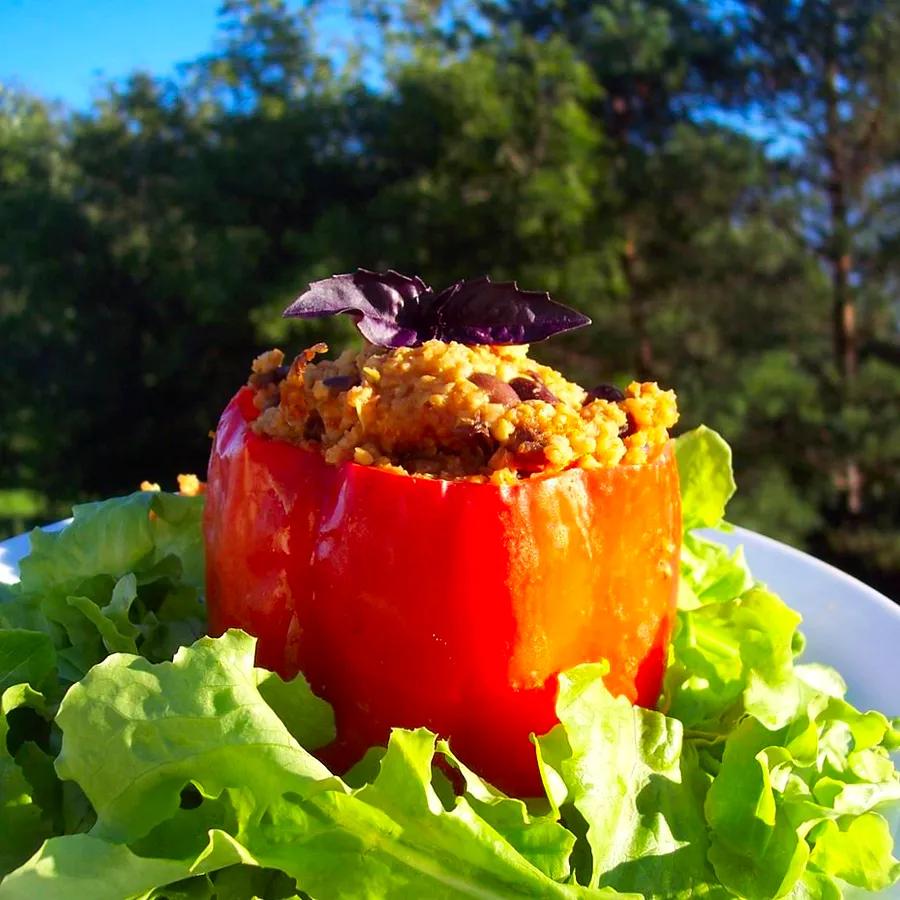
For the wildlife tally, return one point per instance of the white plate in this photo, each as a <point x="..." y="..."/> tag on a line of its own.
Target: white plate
<point x="12" y="550"/>
<point x="847" y="624"/>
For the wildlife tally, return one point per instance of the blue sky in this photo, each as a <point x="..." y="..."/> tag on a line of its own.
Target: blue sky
<point x="61" y="49"/>
<point x="64" y="49"/>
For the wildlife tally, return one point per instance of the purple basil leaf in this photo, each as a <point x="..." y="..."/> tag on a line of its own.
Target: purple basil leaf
<point x="394" y="310"/>
<point x="480" y="311"/>
<point x="386" y="305"/>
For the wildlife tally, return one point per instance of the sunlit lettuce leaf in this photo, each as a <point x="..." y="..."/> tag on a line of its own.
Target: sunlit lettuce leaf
<point x="707" y="481"/>
<point x="776" y="812"/>
<point x="541" y="839"/>
<point x="710" y="572"/>
<point x="308" y="718"/>
<point x="640" y="792"/>
<point x="857" y="850"/>
<point x="730" y="658"/>
<point x="756" y="850"/>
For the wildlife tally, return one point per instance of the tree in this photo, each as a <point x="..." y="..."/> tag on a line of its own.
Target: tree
<point x="827" y="73"/>
<point x="139" y="242"/>
<point x="490" y="163"/>
<point x="45" y="242"/>
<point x="824" y="73"/>
<point x="657" y="62"/>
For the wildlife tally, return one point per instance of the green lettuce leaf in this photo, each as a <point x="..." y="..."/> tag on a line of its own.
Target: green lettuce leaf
<point x="792" y="765"/>
<point x="731" y="658"/>
<point x="756" y="850"/>
<point x="233" y="883"/>
<point x="707" y="481"/>
<point x="143" y="713"/>
<point x="541" y="839"/>
<point x="857" y="850"/>
<point x="24" y="821"/>
<point x="309" y="719"/>
<point x="783" y="801"/>
<point x="125" y="576"/>
<point x="26" y="657"/>
<point x="638" y="789"/>
<point x="113" y="537"/>
<point x="709" y="571"/>
<point x="201" y="721"/>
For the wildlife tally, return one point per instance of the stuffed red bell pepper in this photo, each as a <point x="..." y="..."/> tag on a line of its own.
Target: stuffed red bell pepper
<point x="433" y="527"/>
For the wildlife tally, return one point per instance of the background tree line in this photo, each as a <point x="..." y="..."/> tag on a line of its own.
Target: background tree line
<point x="717" y="185"/>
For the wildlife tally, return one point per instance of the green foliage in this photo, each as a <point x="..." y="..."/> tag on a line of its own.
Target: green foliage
<point x="600" y="150"/>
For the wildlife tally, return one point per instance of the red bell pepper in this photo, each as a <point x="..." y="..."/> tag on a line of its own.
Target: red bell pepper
<point x="454" y="605"/>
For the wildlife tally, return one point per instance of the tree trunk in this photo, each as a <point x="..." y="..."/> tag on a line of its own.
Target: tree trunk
<point x="844" y="307"/>
<point x="637" y="312"/>
<point x="840" y="260"/>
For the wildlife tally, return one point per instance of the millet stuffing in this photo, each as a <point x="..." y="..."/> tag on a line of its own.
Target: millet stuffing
<point x="452" y="411"/>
